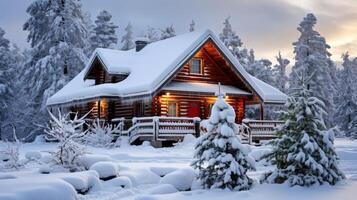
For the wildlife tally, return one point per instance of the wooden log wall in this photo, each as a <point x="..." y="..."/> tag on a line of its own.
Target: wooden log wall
<point x="183" y="102"/>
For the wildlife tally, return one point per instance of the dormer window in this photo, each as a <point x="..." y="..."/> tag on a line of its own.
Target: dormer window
<point x="196" y="66"/>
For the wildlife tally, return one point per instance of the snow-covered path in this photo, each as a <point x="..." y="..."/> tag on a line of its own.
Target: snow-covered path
<point x="139" y="162"/>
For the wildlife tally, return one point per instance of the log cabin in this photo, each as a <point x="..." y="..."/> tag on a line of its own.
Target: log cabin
<point x="175" y="77"/>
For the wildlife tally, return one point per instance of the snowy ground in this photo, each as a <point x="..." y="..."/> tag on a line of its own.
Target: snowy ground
<point x="142" y="164"/>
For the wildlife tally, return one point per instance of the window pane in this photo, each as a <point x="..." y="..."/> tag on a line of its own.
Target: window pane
<point x="172" y="109"/>
<point x="195" y="66"/>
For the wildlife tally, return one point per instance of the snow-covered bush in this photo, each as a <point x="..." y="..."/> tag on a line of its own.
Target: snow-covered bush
<point x="101" y="134"/>
<point x="122" y="181"/>
<point x="106" y="170"/>
<point x="9" y="155"/>
<point x="181" y="179"/>
<point x="33" y="155"/>
<point x="304" y="154"/>
<point x="220" y="158"/>
<point x="66" y="132"/>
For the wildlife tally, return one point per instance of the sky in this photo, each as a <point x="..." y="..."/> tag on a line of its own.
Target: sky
<point x="267" y="26"/>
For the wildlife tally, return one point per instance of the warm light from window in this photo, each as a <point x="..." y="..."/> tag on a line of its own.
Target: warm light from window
<point x="167" y="93"/>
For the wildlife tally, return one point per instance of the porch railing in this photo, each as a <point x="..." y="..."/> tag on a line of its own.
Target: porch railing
<point x="257" y="130"/>
<point x="160" y="128"/>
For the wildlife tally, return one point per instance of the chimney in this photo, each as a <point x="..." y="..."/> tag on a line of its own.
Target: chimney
<point x="140" y="43"/>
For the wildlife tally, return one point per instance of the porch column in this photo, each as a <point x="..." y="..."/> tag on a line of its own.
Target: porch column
<point x="261" y="111"/>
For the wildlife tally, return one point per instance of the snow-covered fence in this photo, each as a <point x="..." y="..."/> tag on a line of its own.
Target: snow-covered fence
<point x="257" y="130"/>
<point x="162" y="128"/>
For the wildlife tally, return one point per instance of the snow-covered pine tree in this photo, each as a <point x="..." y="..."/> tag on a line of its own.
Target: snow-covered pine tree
<point x="346" y="98"/>
<point x="127" y="39"/>
<point x="313" y="58"/>
<point x="304" y="154"/>
<point x="168" y="32"/>
<point x="234" y="43"/>
<point x="279" y="73"/>
<point x="192" y="26"/>
<point x="152" y="34"/>
<point x="5" y="79"/>
<point x="58" y="36"/>
<point x="10" y="61"/>
<point x="220" y="158"/>
<point x="103" y="34"/>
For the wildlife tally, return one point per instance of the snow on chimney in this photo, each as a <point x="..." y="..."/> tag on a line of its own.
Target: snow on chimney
<point x="140" y="43"/>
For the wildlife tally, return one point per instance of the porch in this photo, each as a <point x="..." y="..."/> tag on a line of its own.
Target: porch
<point x="164" y="131"/>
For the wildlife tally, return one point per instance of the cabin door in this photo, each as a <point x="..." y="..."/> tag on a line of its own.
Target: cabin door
<point x="194" y="109"/>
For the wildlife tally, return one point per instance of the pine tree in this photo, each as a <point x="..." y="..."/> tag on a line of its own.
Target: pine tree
<point x="234" y="43"/>
<point x="58" y="36"/>
<point x="6" y="92"/>
<point x="221" y="159"/>
<point x="279" y="73"/>
<point x="346" y="98"/>
<point x="152" y="34"/>
<point x="192" y="26"/>
<point x="262" y="70"/>
<point x="312" y="58"/>
<point x="167" y="32"/>
<point x="127" y="39"/>
<point x="304" y="154"/>
<point x="103" y="34"/>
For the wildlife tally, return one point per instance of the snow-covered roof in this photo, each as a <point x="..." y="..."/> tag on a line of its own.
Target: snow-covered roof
<point x="204" y="88"/>
<point x="149" y="68"/>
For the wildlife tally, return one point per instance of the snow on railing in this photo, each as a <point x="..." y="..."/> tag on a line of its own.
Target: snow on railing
<point x="256" y="130"/>
<point x="162" y="128"/>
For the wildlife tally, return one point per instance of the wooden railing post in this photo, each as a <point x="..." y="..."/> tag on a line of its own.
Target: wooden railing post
<point x="197" y="121"/>
<point x="156" y="128"/>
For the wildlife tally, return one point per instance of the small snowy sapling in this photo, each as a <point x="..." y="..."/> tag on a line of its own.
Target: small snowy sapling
<point x="67" y="132"/>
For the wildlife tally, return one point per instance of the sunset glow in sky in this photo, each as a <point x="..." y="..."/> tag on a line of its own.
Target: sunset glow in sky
<point x="267" y="26"/>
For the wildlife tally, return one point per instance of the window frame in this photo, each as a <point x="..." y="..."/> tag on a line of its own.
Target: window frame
<point x="200" y="67"/>
<point x="176" y="108"/>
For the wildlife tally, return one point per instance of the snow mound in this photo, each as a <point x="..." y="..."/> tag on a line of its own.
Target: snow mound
<point x="146" y="144"/>
<point x="162" y="171"/>
<point x="36" y="188"/>
<point x="81" y="181"/>
<point x="145" y="197"/>
<point x="181" y="179"/>
<point x="106" y="169"/>
<point x="141" y="176"/>
<point x="90" y="159"/>
<point x="40" y="139"/>
<point x="122" y="181"/>
<point x="33" y="155"/>
<point x="6" y="176"/>
<point x="196" y="185"/>
<point x="163" y="189"/>
<point x="189" y="139"/>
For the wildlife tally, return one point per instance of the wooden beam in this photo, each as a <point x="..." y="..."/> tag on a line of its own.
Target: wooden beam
<point x="261" y="111"/>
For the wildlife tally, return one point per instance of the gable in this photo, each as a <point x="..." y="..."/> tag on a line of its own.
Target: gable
<point x="98" y="72"/>
<point x="214" y="69"/>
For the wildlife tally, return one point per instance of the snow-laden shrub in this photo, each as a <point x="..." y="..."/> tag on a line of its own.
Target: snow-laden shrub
<point x="181" y="179"/>
<point x="122" y="181"/>
<point x="66" y="132"/>
<point x="220" y="158"/>
<point x="101" y="134"/>
<point x="9" y="155"/>
<point x="106" y="170"/>
<point x="33" y="155"/>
